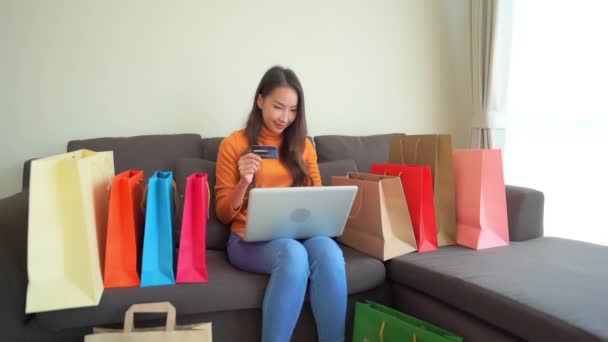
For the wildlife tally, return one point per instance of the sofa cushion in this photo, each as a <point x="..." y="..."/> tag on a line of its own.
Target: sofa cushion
<point x="547" y="289"/>
<point x="365" y="150"/>
<point x="228" y="289"/>
<point x="332" y="168"/>
<point x="363" y="272"/>
<point x="147" y="152"/>
<point x="217" y="232"/>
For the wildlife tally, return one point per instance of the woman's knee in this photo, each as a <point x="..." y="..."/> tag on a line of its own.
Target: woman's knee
<point x="291" y="257"/>
<point x="322" y="249"/>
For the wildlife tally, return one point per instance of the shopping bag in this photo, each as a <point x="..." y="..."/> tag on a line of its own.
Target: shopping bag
<point x="192" y="258"/>
<point x="169" y="333"/>
<point x="435" y="151"/>
<point x="481" y="200"/>
<point x="378" y="323"/>
<point x="379" y="222"/>
<point x="68" y="212"/>
<point x="158" y="252"/>
<point x="418" y="189"/>
<point x="125" y="231"/>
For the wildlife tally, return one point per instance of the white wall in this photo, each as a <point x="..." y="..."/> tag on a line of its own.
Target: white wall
<point x="77" y="69"/>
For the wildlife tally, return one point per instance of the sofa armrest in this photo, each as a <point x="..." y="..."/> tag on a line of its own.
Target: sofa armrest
<point x="25" y="180"/>
<point x="13" y="265"/>
<point x="525" y="208"/>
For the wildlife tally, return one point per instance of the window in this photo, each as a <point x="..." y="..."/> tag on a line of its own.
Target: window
<point x="557" y="131"/>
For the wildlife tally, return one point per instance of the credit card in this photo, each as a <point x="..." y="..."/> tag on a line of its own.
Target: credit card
<point x="265" y="151"/>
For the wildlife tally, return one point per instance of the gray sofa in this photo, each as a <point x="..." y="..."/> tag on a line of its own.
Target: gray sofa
<point x="537" y="289"/>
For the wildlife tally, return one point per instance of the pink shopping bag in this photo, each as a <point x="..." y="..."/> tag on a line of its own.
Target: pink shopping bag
<point x="192" y="257"/>
<point x="481" y="203"/>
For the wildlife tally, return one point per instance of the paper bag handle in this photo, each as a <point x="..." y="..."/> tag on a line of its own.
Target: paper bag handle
<point x="109" y="187"/>
<point x="398" y="175"/>
<point x="178" y="212"/>
<point x="144" y="199"/>
<point x="360" y="202"/>
<point x="208" y="199"/>
<point x="415" y="151"/>
<point x="160" y="307"/>
<point x="381" y="334"/>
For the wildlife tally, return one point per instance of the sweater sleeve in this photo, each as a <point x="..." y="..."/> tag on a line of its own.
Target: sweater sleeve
<point x="310" y="157"/>
<point x="227" y="176"/>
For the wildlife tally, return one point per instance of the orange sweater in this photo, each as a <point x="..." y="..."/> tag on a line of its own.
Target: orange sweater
<point x="272" y="173"/>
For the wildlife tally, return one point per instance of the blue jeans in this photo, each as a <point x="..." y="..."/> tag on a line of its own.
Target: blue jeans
<point x="290" y="264"/>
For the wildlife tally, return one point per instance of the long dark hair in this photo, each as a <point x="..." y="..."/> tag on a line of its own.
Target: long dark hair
<point x="294" y="136"/>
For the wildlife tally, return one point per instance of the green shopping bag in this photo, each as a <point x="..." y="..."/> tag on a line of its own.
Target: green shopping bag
<point x="378" y="323"/>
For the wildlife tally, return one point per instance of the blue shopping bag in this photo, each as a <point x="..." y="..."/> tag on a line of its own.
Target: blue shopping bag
<point x="158" y="251"/>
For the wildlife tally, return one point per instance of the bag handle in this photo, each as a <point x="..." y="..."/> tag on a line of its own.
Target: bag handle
<point x="109" y="187"/>
<point x="415" y="151"/>
<point x="143" y="185"/>
<point x="161" y="307"/>
<point x="144" y="199"/>
<point x="381" y="334"/>
<point x="398" y="175"/>
<point x="178" y="212"/>
<point x="360" y="194"/>
<point x="208" y="199"/>
<point x="360" y="203"/>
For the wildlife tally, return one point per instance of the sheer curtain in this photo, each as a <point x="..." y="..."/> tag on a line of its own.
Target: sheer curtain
<point x="491" y="22"/>
<point x="557" y="127"/>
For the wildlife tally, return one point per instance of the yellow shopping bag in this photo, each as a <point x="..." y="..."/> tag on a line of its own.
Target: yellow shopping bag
<point x="68" y="211"/>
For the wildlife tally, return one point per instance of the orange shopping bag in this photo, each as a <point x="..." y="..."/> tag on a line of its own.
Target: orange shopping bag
<point x="125" y="229"/>
<point x="481" y="200"/>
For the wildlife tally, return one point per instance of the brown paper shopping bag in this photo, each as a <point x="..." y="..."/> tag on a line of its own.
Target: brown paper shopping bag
<point x="169" y="333"/>
<point x="379" y="222"/>
<point x="434" y="150"/>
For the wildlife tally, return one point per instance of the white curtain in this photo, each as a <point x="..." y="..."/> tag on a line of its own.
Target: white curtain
<point x="490" y="53"/>
<point x="558" y="114"/>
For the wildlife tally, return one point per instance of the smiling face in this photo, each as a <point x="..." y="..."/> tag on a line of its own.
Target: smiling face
<point x="279" y="108"/>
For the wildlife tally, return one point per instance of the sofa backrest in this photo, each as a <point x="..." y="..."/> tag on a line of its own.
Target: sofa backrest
<point x="182" y="153"/>
<point x="364" y="150"/>
<point x="211" y="147"/>
<point x="146" y="152"/>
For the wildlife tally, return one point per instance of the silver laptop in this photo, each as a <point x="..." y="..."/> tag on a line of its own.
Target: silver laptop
<point x="298" y="212"/>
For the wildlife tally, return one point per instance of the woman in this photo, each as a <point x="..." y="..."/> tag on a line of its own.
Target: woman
<point x="278" y="118"/>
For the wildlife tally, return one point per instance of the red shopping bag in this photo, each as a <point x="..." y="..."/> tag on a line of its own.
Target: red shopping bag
<point x="417" y="185"/>
<point x="124" y="232"/>
<point x="481" y="200"/>
<point x="192" y="257"/>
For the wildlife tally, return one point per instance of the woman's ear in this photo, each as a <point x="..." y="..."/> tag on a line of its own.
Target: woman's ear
<point x="259" y="101"/>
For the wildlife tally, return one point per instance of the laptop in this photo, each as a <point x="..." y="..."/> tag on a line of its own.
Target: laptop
<point x="298" y="212"/>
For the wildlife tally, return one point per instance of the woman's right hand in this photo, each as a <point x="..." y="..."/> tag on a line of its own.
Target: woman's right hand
<point x="249" y="164"/>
